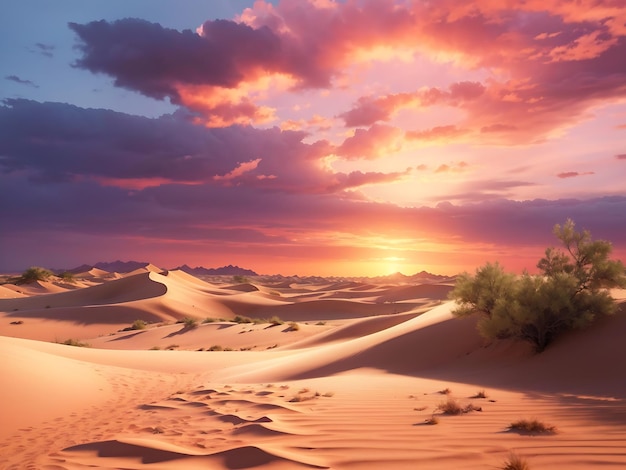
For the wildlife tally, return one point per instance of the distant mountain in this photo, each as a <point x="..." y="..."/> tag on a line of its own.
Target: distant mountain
<point x="121" y="266"/>
<point x="229" y="270"/>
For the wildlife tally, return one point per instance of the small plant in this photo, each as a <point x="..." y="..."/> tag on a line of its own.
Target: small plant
<point x="445" y="391"/>
<point x="320" y="323"/>
<point x="275" y="321"/>
<point x="190" y="323"/>
<point x="155" y="348"/>
<point x="68" y="277"/>
<point x="515" y="462"/>
<point x="138" y="325"/>
<point x="215" y="347"/>
<point x="209" y="320"/>
<point x="75" y="342"/>
<point x="293" y="326"/>
<point x="453" y="407"/>
<point x="480" y="394"/>
<point x="242" y="319"/>
<point x="432" y="420"/>
<point x="17" y="322"/>
<point x="532" y="426"/>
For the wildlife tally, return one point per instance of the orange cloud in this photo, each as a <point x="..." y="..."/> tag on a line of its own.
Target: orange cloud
<point x="372" y="143"/>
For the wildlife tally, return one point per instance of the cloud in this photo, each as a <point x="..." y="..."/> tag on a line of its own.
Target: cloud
<point x="544" y="63"/>
<point x="375" y="142"/>
<point x="437" y="133"/>
<point x="61" y="142"/>
<point x="215" y="219"/>
<point x="621" y="156"/>
<point x="151" y="59"/>
<point x="21" y="81"/>
<point x="369" y="110"/>
<point x="573" y="174"/>
<point x="46" y="50"/>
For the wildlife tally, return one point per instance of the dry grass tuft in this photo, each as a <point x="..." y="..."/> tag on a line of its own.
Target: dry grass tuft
<point x="480" y="394"/>
<point x="432" y="420"/>
<point x="515" y="462"/>
<point x="532" y="426"/>
<point x="454" y="408"/>
<point x="445" y="391"/>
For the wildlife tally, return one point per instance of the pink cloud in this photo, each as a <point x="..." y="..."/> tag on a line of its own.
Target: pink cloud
<point x="369" y="110"/>
<point x="621" y="156"/>
<point x="436" y="133"/>
<point x="573" y="174"/>
<point x="374" y="142"/>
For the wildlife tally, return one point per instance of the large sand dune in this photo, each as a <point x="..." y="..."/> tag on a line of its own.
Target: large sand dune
<point x="349" y="385"/>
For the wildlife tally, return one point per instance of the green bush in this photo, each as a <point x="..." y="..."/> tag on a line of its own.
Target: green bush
<point x="570" y="292"/>
<point x="33" y="274"/>
<point x="68" y="277"/>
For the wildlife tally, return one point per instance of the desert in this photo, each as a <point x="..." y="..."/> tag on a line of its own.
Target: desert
<point x="292" y="374"/>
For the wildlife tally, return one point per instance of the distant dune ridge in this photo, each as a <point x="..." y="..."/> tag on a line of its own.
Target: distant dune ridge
<point x="273" y="372"/>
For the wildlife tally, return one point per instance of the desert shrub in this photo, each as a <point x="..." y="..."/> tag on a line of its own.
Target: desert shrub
<point x="275" y="321"/>
<point x="75" y="342"/>
<point x="515" y="462"/>
<point x="570" y="292"/>
<point x="67" y="276"/>
<point x="242" y="319"/>
<point x="139" y="325"/>
<point x="189" y="322"/>
<point x="215" y="347"/>
<point x="33" y="274"/>
<point x="445" y="391"/>
<point x="209" y="320"/>
<point x="293" y="326"/>
<point x="450" y="407"/>
<point x="532" y="426"/>
<point x="432" y="420"/>
<point x="480" y="394"/>
<point x="453" y="407"/>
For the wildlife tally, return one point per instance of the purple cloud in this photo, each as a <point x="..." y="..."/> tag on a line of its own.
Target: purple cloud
<point x="21" y="81"/>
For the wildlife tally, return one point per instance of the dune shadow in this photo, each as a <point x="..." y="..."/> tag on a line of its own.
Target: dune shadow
<point x="122" y="338"/>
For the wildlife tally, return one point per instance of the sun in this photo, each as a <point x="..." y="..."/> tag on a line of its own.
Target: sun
<point x="391" y="265"/>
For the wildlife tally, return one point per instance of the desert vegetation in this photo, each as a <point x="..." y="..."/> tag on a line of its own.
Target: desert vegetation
<point x="570" y="292"/>
<point x="515" y="462"/>
<point x="532" y="426"/>
<point x="34" y="274"/>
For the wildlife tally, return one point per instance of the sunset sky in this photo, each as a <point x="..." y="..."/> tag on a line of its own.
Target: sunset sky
<point x="311" y="137"/>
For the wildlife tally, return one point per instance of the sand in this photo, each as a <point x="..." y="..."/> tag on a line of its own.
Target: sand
<point x="349" y="380"/>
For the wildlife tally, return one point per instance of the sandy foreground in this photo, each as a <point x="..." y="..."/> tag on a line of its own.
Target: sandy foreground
<point x="349" y="380"/>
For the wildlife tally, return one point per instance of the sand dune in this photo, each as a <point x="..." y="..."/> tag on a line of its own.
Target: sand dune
<point x="351" y="387"/>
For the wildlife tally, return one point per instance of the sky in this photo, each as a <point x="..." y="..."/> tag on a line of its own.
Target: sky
<point x="309" y="137"/>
